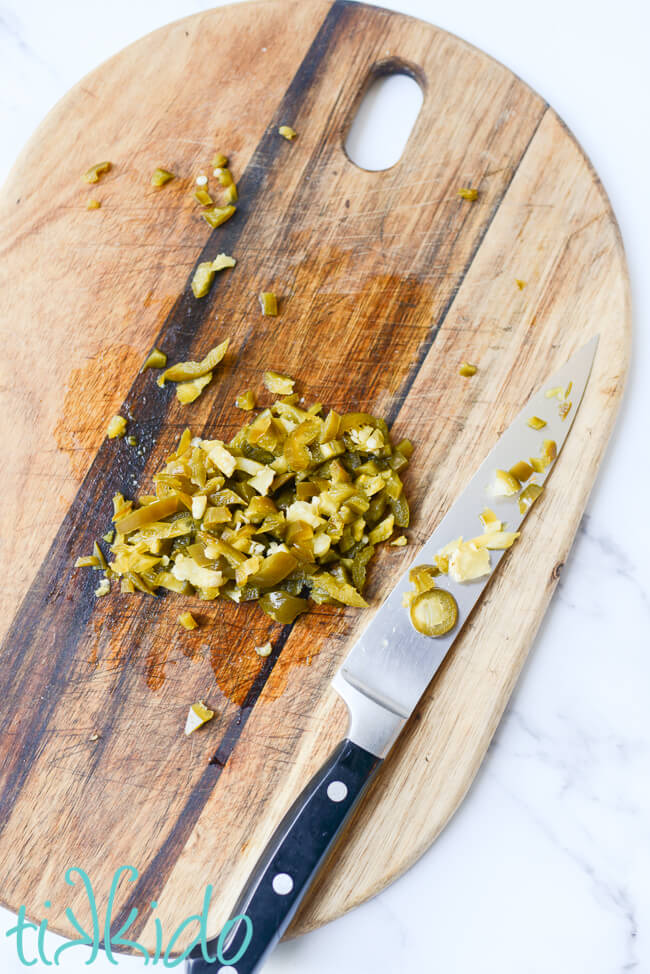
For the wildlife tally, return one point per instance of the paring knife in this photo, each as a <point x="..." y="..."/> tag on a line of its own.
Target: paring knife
<point x="381" y="680"/>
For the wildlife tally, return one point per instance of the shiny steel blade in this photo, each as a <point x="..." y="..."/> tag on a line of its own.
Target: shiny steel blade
<point x="391" y="664"/>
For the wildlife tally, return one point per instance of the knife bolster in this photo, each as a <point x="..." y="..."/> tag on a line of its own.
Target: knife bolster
<point x="374" y="726"/>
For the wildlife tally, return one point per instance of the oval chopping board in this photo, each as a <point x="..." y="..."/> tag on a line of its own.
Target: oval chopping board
<point x="387" y="281"/>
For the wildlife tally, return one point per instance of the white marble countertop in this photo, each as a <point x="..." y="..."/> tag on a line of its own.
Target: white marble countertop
<point x="546" y="867"/>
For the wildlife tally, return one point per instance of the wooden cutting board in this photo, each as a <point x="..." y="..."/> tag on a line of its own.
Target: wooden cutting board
<point x="387" y="281"/>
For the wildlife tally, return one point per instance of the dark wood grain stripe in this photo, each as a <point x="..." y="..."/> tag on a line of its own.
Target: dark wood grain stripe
<point x="152" y="880"/>
<point x="49" y="619"/>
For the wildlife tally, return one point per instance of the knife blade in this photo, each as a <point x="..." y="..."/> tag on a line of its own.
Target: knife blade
<point x="381" y="680"/>
<point x="391" y="665"/>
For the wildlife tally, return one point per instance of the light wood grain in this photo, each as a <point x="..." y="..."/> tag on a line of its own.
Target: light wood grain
<point x="387" y="282"/>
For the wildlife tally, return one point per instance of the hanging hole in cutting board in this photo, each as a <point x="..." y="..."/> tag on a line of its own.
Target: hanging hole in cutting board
<point x="384" y="120"/>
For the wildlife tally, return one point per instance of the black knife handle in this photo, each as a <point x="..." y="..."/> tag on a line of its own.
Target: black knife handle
<point x="289" y="863"/>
